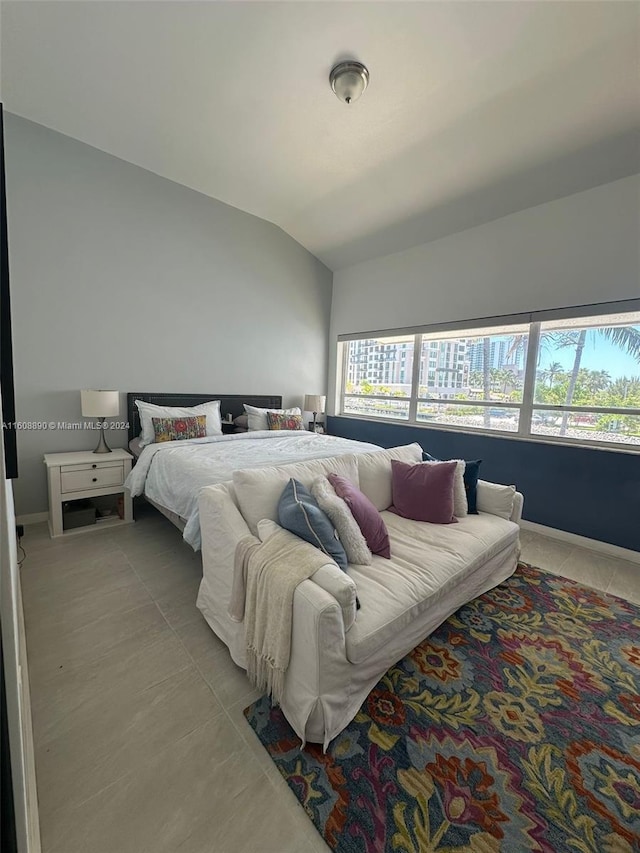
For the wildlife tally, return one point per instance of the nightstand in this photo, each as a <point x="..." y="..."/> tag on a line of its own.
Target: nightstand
<point x="84" y="475"/>
<point x="228" y="427"/>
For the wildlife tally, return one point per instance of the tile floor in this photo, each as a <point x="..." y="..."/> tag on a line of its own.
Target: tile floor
<point x="141" y="745"/>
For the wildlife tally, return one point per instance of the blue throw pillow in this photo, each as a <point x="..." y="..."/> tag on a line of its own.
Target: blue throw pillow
<point x="471" y="473"/>
<point x="298" y="512"/>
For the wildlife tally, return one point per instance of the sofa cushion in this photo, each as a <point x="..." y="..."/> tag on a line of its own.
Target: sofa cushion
<point x="299" y="513"/>
<point x="424" y="491"/>
<point x="258" y="490"/>
<point x="366" y="515"/>
<point x="374" y="471"/>
<point x="427" y="560"/>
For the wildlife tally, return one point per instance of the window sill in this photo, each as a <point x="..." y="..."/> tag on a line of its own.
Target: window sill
<point x="562" y="442"/>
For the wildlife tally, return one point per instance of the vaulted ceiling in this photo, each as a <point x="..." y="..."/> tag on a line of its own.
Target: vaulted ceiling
<point x="474" y="109"/>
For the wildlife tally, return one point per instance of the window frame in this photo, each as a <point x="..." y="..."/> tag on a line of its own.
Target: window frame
<point x="526" y="407"/>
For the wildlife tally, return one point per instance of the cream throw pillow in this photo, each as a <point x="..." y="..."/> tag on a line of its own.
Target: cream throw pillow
<point x="340" y="516"/>
<point x="460" y="505"/>
<point x="496" y="498"/>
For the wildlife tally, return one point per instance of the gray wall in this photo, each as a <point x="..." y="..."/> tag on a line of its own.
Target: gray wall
<point x="578" y="250"/>
<point x="122" y="279"/>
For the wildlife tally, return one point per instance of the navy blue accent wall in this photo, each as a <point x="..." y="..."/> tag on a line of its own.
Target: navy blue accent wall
<point x="594" y="493"/>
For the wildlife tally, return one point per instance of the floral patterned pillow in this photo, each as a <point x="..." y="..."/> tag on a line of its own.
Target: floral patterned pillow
<point x="281" y="420"/>
<point x="176" y="429"/>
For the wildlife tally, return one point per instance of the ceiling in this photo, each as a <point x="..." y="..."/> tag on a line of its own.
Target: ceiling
<point x="474" y="109"/>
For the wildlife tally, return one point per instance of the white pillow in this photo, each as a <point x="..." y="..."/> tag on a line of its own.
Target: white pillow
<point x="342" y="519"/>
<point x="374" y="471"/>
<point x="330" y="578"/>
<point x="258" y="417"/>
<point x="148" y="411"/>
<point x="460" y="504"/>
<point x="495" y="498"/>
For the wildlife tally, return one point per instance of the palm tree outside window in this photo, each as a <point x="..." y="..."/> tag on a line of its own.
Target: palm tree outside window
<point x="575" y="380"/>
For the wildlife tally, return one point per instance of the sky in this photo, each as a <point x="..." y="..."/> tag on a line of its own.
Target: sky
<point x="598" y="354"/>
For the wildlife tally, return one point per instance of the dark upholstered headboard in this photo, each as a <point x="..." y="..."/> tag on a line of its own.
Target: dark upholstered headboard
<point x="229" y="403"/>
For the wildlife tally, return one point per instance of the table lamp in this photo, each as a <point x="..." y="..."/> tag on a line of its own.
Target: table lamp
<point x="314" y="403"/>
<point x="101" y="405"/>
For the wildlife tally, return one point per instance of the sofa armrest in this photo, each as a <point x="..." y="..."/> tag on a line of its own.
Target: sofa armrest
<point x="222" y="528"/>
<point x="339" y="585"/>
<point x="316" y="686"/>
<point x="329" y="577"/>
<point x="217" y="505"/>
<point x="518" y="504"/>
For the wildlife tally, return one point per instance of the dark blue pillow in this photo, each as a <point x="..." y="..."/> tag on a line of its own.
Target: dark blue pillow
<point x="471" y="473"/>
<point x="298" y="512"/>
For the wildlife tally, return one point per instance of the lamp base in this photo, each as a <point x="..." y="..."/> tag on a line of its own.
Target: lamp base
<point x="102" y="447"/>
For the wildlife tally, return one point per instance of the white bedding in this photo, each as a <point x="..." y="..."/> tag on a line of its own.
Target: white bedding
<point x="173" y="473"/>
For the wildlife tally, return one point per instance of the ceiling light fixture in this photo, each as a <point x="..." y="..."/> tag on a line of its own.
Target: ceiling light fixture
<point x="349" y="80"/>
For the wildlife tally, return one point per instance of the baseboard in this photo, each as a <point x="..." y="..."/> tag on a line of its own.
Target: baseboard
<point x="32" y="518"/>
<point x="16" y="673"/>
<point x="33" y="815"/>
<point x="582" y="541"/>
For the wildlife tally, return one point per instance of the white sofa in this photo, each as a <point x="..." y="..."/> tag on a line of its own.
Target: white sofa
<point x="338" y="654"/>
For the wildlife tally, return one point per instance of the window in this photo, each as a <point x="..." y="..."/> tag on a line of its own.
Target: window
<point x="480" y="376"/>
<point x="575" y="380"/>
<point x="364" y="394"/>
<point x="587" y="383"/>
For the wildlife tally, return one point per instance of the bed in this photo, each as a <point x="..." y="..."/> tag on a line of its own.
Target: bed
<point x="172" y="474"/>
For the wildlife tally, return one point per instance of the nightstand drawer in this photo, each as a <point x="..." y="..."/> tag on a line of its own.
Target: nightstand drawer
<point x="87" y="477"/>
<point x="91" y="466"/>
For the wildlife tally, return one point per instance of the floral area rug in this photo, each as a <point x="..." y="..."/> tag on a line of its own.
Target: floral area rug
<point x="514" y="727"/>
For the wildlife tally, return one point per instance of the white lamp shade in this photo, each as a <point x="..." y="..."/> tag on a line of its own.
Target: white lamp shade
<point x="100" y="404"/>
<point x="314" y="403"/>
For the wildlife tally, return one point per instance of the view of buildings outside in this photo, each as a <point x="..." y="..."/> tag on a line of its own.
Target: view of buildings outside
<point x="596" y="366"/>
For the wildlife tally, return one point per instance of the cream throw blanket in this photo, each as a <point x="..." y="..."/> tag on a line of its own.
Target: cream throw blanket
<point x="271" y="571"/>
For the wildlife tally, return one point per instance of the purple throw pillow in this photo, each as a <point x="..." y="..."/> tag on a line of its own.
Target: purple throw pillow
<point x="366" y="515"/>
<point x="423" y="492"/>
